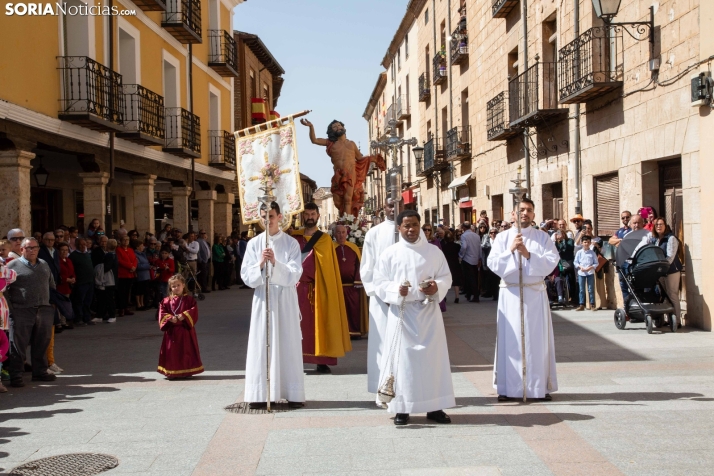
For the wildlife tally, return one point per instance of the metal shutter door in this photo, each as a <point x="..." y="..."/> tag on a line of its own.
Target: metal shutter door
<point x="607" y="204"/>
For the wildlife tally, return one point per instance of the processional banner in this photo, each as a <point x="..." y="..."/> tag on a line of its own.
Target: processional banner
<point x="267" y="157"/>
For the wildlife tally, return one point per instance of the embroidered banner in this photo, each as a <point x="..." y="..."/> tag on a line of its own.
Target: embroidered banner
<point x="269" y="156"/>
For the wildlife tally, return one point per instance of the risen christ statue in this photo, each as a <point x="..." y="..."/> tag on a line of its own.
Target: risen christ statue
<point x="349" y="165"/>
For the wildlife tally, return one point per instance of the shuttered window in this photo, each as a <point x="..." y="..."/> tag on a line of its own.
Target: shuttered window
<point x="607" y="204"/>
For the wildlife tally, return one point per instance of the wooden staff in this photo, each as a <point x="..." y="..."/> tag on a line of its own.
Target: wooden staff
<point x="518" y="193"/>
<point x="273" y="123"/>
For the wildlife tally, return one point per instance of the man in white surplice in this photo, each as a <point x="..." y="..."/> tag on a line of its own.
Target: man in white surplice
<point x="377" y="240"/>
<point x="286" y="371"/>
<point x="422" y="371"/>
<point x="539" y="256"/>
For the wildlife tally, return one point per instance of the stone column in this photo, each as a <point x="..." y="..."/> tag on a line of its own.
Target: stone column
<point x="223" y="213"/>
<point x="95" y="196"/>
<point x="206" y="200"/>
<point x="182" y="207"/>
<point x="15" y="197"/>
<point x="143" y="187"/>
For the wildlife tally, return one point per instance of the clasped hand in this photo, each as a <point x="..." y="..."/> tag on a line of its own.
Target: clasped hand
<point x="519" y="246"/>
<point x="429" y="291"/>
<point x="175" y="319"/>
<point x="267" y="255"/>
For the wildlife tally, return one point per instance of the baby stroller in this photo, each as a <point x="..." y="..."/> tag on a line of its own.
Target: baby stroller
<point x="191" y="281"/>
<point x="647" y="301"/>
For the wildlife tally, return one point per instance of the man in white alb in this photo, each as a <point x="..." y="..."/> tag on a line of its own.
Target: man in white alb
<point x="377" y="240"/>
<point x="539" y="257"/>
<point x="286" y="372"/>
<point x="419" y="361"/>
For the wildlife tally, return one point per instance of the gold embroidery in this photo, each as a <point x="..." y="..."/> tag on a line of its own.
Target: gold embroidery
<point x="311" y="293"/>
<point x="174" y="372"/>
<point x="165" y="318"/>
<point x="188" y="316"/>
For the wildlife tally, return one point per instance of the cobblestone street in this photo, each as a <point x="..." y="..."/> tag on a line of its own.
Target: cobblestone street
<point x="628" y="403"/>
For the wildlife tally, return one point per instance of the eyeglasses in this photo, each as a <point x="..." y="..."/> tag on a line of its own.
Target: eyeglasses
<point x="626" y="217"/>
<point x="577" y="221"/>
<point x="32" y="248"/>
<point x="17" y="238"/>
<point x="426" y="229"/>
<point x="492" y="233"/>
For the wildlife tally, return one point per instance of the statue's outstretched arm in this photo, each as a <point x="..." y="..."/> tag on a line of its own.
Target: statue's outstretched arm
<point x="313" y="139"/>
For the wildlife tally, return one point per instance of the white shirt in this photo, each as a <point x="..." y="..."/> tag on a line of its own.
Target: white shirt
<point x="192" y="252"/>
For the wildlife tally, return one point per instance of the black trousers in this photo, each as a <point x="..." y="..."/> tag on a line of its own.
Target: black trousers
<point x="203" y="272"/>
<point x="123" y="292"/>
<point x="31" y="326"/>
<point x="106" y="305"/>
<point x="471" y="280"/>
<point x="238" y="264"/>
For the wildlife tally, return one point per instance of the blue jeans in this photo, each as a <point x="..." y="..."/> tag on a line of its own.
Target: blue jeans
<point x="590" y="281"/>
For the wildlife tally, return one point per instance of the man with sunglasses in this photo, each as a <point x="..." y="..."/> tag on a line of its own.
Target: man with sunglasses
<point x="625" y="216"/>
<point x="15" y="236"/>
<point x="31" y="313"/>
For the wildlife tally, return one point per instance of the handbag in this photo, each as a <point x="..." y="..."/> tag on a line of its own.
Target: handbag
<point x="387" y="390"/>
<point x="565" y="266"/>
<point x="601" y="261"/>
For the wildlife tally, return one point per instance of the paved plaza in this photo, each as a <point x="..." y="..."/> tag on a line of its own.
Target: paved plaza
<point x="629" y="403"/>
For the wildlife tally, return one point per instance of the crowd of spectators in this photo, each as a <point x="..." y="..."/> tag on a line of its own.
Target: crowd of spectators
<point x="63" y="279"/>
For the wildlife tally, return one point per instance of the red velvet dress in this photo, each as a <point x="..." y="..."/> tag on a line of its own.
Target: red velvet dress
<point x="179" y="356"/>
<point x="306" y="296"/>
<point x="349" y="272"/>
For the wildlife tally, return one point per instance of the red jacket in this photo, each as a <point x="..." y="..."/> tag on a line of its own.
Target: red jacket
<point x="165" y="267"/>
<point x="66" y="271"/>
<point x="127" y="260"/>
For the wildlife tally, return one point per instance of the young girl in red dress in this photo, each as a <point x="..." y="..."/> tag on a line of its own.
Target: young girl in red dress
<point x="178" y="314"/>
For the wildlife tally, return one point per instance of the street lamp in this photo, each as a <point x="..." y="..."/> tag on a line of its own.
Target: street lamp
<point x="41" y="175"/>
<point x="606" y="10"/>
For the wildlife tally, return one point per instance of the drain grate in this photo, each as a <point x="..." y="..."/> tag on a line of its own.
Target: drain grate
<point x="73" y="464"/>
<point x="242" y="407"/>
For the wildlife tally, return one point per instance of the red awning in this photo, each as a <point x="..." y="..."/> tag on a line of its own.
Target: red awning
<point x="408" y="197"/>
<point x="466" y="204"/>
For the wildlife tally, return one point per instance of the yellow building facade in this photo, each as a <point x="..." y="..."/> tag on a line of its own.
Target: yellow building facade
<point x="130" y="115"/>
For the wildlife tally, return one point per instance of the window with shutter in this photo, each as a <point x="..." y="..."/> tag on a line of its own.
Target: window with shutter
<point x="607" y="204"/>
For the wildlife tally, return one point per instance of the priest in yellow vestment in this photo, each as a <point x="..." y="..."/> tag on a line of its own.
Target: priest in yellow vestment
<point x="325" y="331"/>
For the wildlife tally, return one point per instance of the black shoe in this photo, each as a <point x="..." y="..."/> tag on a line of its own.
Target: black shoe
<point x="456" y="301"/>
<point x="16" y="382"/>
<point x="502" y="398"/>
<point x="438" y="416"/>
<point x="467" y="297"/>
<point x="487" y="296"/>
<point x="69" y="325"/>
<point x="355" y="337"/>
<point x="323" y="369"/>
<point x="28" y="367"/>
<point x="44" y="378"/>
<point x="58" y="329"/>
<point x="257" y="405"/>
<point x="401" y="419"/>
<point x="474" y="299"/>
<point x="547" y="397"/>
<point x="296" y="404"/>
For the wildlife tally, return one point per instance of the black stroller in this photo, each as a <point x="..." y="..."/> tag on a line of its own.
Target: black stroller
<point x="647" y="301"/>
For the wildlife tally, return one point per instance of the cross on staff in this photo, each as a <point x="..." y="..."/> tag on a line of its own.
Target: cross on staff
<point x="269" y="173"/>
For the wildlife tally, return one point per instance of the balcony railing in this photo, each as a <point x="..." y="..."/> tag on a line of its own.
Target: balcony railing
<point x="182" y="19"/>
<point x="183" y="133"/>
<point x="144" y="116"/>
<point x="151" y="5"/>
<point x="390" y="115"/>
<point x="424" y="87"/>
<point x="590" y="65"/>
<point x="458" y="143"/>
<point x="433" y="158"/>
<point x="223" y="54"/>
<point x="459" y="45"/>
<point x="91" y="94"/>
<point x="533" y="96"/>
<point x="223" y="150"/>
<point x="403" y="111"/>
<point x="501" y="8"/>
<point x="440" y="70"/>
<point x="497" y="121"/>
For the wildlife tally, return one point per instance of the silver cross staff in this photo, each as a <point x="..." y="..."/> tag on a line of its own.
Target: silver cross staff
<point x="518" y="192"/>
<point x="267" y="200"/>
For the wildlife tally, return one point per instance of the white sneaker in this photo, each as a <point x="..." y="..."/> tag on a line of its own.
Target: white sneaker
<point x="56" y="369"/>
<point x="111" y="320"/>
<point x="96" y="320"/>
<point x="50" y="371"/>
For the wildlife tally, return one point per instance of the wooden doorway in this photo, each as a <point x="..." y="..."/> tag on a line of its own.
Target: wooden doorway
<point x="46" y="209"/>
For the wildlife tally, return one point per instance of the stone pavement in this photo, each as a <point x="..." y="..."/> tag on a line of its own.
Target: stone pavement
<point x="629" y="403"/>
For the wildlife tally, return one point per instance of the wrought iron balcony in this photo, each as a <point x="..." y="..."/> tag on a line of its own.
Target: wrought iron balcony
<point x="144" y="116"/>
<point x="433" y="158"/>
<point x="223" y="150"/>
<point x="458" y="143"/>
<point x="424" y="87"/>
<point x="183" y="133"/>
<point x="501" y="8"/>
<point x="182" y="19"/>
<point x="497" y="122"/>
<point x="459" y="43"/>
<point x="91" y="94"/>
<point x="590" y="65"/>
<point x="440" y="70"/>
<point x="151" y="5"/>
<point x="533" y="96"/>
<point x="403" y="110"/>
<point x="391" y="114"/>
<point x="223" y="54"/>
